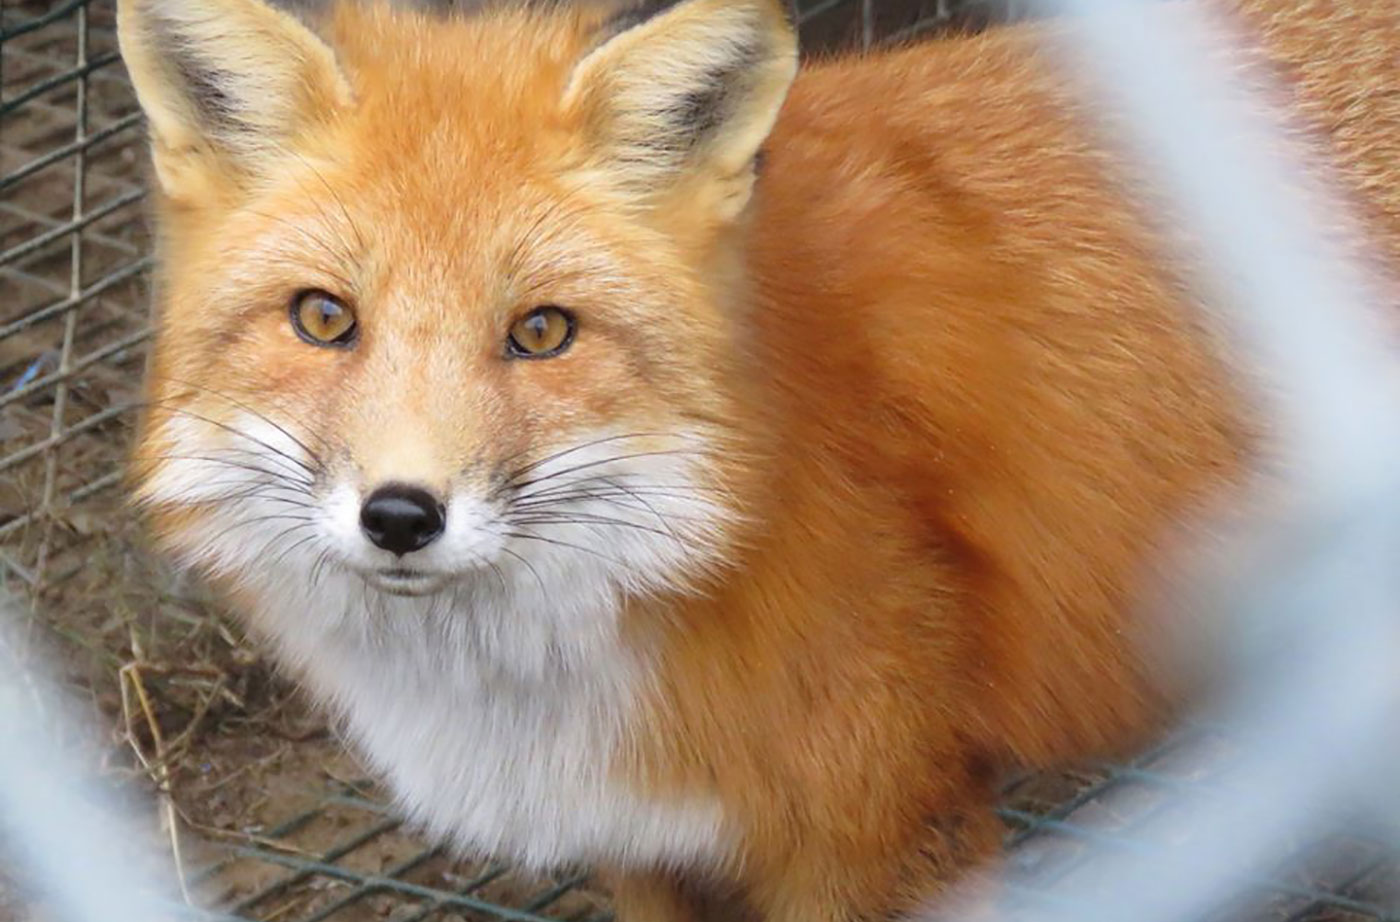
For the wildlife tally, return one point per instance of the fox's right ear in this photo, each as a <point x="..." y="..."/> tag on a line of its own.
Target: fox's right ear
<point x="685" y="99"/>
<point x="224" y="84"/>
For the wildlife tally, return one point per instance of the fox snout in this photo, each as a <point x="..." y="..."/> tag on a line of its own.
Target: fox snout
<point x="401" y="518"/>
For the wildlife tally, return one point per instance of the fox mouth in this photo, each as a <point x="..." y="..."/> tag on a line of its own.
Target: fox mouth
<point x="404" y="581"/>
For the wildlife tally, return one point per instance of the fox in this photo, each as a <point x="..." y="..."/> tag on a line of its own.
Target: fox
<point x="669" y="459"/>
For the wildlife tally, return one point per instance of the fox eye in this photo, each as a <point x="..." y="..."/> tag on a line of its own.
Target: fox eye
<point x="322" y="319"/>
<point x="540" y="334"/>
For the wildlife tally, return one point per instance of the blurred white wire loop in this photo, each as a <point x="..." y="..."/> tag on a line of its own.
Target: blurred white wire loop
<point x="1314" y="599"/>
<point x="82" y="856"/>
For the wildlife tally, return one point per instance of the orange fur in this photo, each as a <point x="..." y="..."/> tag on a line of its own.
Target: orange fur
<point x="965" y="399"/>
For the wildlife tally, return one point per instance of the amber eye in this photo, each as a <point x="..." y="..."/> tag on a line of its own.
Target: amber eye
<point x="544" y="332"/>
<point x="323" y="319"/>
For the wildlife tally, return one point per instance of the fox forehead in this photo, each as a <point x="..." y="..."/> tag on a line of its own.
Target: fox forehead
<point x="443" y="265"/>
<point x="453" y="139"/>
<point x="446" y="183"/>
<point x="481" y="90"/>
<point x="394" y="239"/>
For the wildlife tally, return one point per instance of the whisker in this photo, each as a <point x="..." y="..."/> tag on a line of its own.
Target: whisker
<point x="613" y="497"/>
<point x="248" y="437"/>
<point x="257" y="413"/>
<point x="599" y="462"/>
<point x="318" y="567"/>
<point x="505" y="589"/>
<point x="572" y="519"/>
<point x="529" y="566"/>
<point x="560" y="500"/>
<point x="566" y="501"/>
<point x="603" y="440"/>
<point x="283" y="469"/>
<point x="340" y="203"/>
<point x="650" y="508"/>
<point x="238" y="432"/>
<point x="263" y="492"/>
<point x="256" y="469"/>
<point x="225" y="532"/>
<point x="608" y="477"/>
<point x="272" y="490"/>
<point x="527" y="238"/>
<point x="566" y="498"/>
<point x="282" y="556"/>
<point x="326" y="247"/>
<point x="586" y="550"/>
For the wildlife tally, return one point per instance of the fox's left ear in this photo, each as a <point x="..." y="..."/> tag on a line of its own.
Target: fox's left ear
<point x="685" y="100"/>
<point x="225" y="84"/>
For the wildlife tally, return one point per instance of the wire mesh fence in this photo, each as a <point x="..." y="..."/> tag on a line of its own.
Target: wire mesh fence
<point x="347" y="858"/>
<point x="73" y="254"/>
<point x="1055" y="826"/>
<point x="74" y="257"/>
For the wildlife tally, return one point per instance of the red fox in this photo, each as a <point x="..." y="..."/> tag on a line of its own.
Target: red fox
<point x="668" y="461"/>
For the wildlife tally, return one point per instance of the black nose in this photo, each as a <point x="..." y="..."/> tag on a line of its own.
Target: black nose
<point x="401" y="519"/>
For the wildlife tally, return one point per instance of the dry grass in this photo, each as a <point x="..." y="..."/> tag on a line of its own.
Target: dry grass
<point x="197" y="724"/>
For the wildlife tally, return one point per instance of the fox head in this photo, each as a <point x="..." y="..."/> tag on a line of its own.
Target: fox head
<point x="449" y="305"/>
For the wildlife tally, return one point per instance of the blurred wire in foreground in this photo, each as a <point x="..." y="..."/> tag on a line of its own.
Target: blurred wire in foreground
<point x="1314" y="700"/>
<point x="75" y="845"/>
<point x="1313" y="598"/>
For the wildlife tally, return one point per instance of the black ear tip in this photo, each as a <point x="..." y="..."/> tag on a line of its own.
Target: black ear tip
<point x="205" y="84"/>
<point x="789" y="8"/>
<point x="633" y="13"/>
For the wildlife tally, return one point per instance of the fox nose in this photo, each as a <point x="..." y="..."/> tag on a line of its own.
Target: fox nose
<point x="402" y="519"/>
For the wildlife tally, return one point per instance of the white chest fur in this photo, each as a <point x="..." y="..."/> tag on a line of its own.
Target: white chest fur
<point x="517" y="764"/>
<point x="495" y="707"/>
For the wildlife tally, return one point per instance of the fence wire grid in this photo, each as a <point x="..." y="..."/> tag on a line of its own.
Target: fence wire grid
<point x="74" y="324"/>
<point x="1056" y="825"/>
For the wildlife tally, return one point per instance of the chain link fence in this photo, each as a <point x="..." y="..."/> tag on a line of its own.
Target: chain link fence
<point x="74" y="257"/>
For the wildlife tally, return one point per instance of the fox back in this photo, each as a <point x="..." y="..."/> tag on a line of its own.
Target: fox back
<point x="665" y="460"/>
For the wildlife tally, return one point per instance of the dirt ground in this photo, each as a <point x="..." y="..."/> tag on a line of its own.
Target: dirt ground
<point x="193" y="724"/>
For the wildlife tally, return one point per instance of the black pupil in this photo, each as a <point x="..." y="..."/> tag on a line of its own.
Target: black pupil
<point x="327" y="313"/>
<point x="538" y="325"/>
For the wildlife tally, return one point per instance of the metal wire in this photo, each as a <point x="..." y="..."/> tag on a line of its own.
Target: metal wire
<point x="1313" y="603"/>
<point x="73" y="326"/>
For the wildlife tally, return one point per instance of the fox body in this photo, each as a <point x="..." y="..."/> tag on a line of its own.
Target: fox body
<point x="725" y="525"/>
